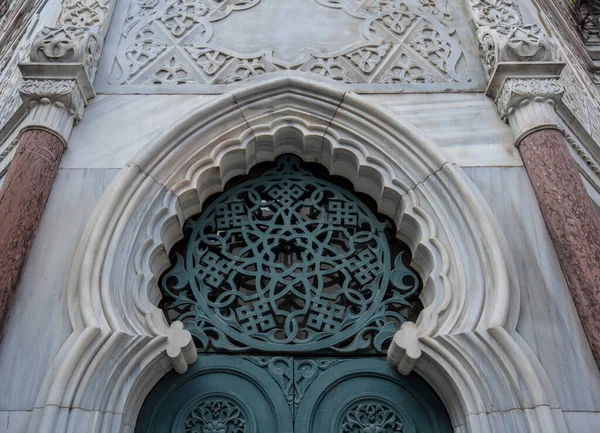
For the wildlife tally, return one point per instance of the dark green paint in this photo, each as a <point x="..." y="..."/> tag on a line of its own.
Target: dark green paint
<point x="234" y="394"/>
<point x="289" y="262"/>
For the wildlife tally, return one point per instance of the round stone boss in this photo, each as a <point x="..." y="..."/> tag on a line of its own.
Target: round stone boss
<point x="287" y="262"/>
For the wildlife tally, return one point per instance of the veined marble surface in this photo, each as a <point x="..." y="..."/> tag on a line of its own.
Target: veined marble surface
<point x="15" y="421"/>
<point x="39" y="322"/>
<point x="548" y="320"/>
<point x="115" y="127"/>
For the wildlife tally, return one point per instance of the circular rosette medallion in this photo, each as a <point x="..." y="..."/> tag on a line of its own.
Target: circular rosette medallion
<point x="214" y="413"/>
<point x="288" y="261"/>
<point x="370" y="415"/>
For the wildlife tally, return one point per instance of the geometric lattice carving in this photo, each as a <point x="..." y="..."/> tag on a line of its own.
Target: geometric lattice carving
<point x="383" y="41"/>
<point x="289" y="261"/>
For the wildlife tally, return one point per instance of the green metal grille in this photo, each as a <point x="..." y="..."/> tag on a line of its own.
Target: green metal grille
<point x="289" y="262"/>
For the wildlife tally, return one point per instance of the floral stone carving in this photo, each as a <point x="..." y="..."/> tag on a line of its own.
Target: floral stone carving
<point x="517" y="43"/>
<point x="67" y="45"/>
<point x="84" y="13"/>
<point x="382" y="37"/>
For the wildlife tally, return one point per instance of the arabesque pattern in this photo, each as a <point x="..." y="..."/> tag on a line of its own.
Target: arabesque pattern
<point x="215" y="414"/>
<point x="371" y="417"/>
<point x="286" y="262"/>
<point x="395" y="41"/>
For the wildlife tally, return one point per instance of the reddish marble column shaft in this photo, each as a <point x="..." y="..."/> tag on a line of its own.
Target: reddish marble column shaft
<point x="23" y="199"/>
<point x="572" y="221"/>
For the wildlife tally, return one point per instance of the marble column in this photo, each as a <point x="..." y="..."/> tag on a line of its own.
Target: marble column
<point x="53" y="107"/>
<point x="23" y="198"/>
<point x="573" y="223"/>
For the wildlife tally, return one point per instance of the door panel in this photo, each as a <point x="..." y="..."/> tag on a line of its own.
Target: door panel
<point x="369" y="396"/>
<point x="218" y="394"/>
<point x="259" y="394"/>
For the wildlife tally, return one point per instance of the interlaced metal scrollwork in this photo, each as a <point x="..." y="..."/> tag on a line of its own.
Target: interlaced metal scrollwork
<point x="289" y="262"/>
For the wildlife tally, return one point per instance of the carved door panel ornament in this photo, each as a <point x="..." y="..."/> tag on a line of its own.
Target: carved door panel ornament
<point x="226" y="41"/>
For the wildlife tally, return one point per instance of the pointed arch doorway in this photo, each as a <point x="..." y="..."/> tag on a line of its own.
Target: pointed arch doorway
<point x="292" y="286"/>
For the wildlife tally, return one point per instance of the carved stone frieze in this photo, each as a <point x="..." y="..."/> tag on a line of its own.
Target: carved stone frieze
<point x="528" y="104"/>
<point x="68" y="45"/>
<point x="509" y="44"/>
<point x="381" y="36"/>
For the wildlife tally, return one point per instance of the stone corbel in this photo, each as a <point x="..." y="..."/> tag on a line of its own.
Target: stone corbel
<point x="526" y="43"/>
<point x="68" y="44"/>
<point x="53" y="105"/>
<point x="526" y="94"/>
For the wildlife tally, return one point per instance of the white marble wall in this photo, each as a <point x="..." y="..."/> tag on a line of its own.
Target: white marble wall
<point x="548" y="320"/>
<point x="115" y="127"/>
<point x="39" y="322"/>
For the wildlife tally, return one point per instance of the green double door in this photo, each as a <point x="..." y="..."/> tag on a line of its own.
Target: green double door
<point x="277" y="394"/>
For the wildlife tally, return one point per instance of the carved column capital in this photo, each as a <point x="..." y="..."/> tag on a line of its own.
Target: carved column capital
<point x="528" y="104"/>
<point x="53" y="105"/>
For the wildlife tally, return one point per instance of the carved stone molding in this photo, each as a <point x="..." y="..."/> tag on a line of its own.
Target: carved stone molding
<point x="495" y="12"/>
<point x="52" y="104"/>
<point x="529" y="104"/>
<point x="67" y="45"/>
<point x="62" y="64"/>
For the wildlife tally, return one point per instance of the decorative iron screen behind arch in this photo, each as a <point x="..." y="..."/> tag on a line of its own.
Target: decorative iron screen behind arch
<point x="290" y="259"/>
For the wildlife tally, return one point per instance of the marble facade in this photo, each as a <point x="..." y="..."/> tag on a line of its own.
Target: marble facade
<point x="390" y="94"/>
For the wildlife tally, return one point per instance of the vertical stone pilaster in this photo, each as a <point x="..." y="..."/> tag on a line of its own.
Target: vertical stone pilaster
<point x="53" y="106"/>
